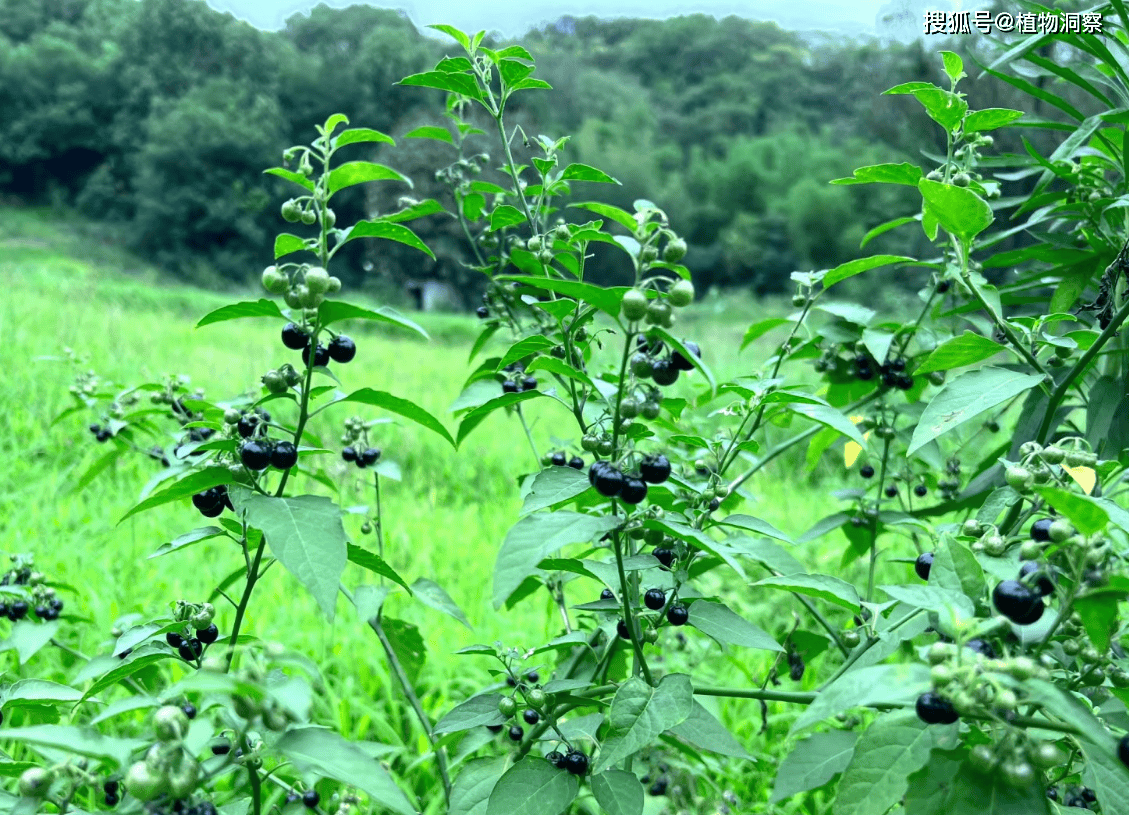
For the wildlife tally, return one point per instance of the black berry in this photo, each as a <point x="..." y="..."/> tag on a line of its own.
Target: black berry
<point x="531" y="716"/>
<point x="255" y="455"/>
<point x="294" y="338"/>
<point x="664" y="372"/>
<point x="1017" y="602"/>
<point x="321" y="355"/>
<point x="658" y="788"/>
<point x="555" y="758"/>
<point x="654" y="599"/>
<point x="509" y="386"/>
<point x="677" y="614"/>
<point x="349" y="454"/>
<point x="1041" y="529"/>
<point x="1052" y="793"/>
<point x="482" y="312"/>
<point x="633" y="491"/>
<point x="529" y="384"/>
<point x="41" y="612"/>
<point x="533" y="676"/>
<point x="1043" y="583"/>
<point x="622" y="630"/>
<point x="17" y="610"/>
<point x="891" y="491"/>
<point x="208" y="635"/>
<point x="110" y="786"/>
<point x="607" y="594"/>
<point x="189" y="710"/>
<point x="982" y="647"/>
<point x="608" y="481"/>
<point x="576" y="462"/>
<point x="576" y="763"/>
<point x="208" y="500"/>
<point x="174" y="639"/>
<point x="920" y="490"/>
<point x="1088" y="795"/>
<point x="866" y="471"/>
<point x="310" y="799"/>
<point x="655" y="469"/>
<point x="558" y="459"/>
<point x="246" y="426"/>
<point x="903" y="382"/>
<point x="680" y="362"/>
<point x="284" y="456"/>
<point x="370" y="456"/>
<point x="515" y="732"/>
<point x="664" y="556"/>
<point x="923" y="564"/>
<point x="494" y="728"/>
<point x="111" y="799"/>
<point x="191" y="650"/>
<point x="934" y="709"/>
<point x="342" y="349"/>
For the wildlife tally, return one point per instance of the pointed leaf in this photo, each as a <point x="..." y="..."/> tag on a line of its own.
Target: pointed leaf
<point x="236" y="311"/>
<point x="618" y="792"/>
<point x="401" y="407"/>
<point x="532" y="786"/>
<point x="728" y="628"/>
<point x="640" y="713"/>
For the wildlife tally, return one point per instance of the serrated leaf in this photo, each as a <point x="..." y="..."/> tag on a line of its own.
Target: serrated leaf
<point x="825" y="587"/>
<point x="331" y="756"/>
<point x="236" y="311"/>
<point x="532" y="786"/>
<point x="618" y="792"/>
<point x="965" y="398"/>
<point x="640" y="713"/>
<point x="554" y="485"/>
<point x="401" y="407"/>
<point x="813" y="762"/>
<point x="720" y="623"/>
<point x="306" y="536"/>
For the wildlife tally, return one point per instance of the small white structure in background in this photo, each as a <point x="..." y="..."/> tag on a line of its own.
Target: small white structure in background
<point x="433" y="295"/>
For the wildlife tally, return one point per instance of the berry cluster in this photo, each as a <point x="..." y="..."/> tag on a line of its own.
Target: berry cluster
<point x="212" y="501"/>
<point x="301" y="286"/>
<point x="611" y="482"/>
<point x="101" y="434"/>
<point x="192" y="640"/>
<point x="514" y="382"/>
<point x="357" y="449"/>
<point x="561" y="459"/>
<point x="573" y="762"/>
<point x="649" y="362"/>
<point x="42" y="598"/>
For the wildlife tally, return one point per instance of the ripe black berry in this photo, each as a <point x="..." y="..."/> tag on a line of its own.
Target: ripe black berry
<point x="555" y="758"/>
<point x="482" y="312"/>
<point x="1041" y="529"/>
<point x="370" y="456"/>
<point x="664" y="372"/>
<point x="531" y="716"/>
<point x="103" y="435"/>
<point x="321" y="355"/>
<point x="934" y="709"/>
<point x="1043" y="583"/>
<point x="677" y="614"/>
<point x="558" y="459"/>
<point x="866" y="471"/>
<point x="310" y="799"/>
<point x="111" y="786"/>
<point x="342" y="349"/>
<point x="533" y="676"/>
<point x="680" y="362"/>
<point x="509" y="386"/>
<point x="654" y="599"/>
<point x="713" y="504"/>
<point x="1088" y="795"/>
<point x="891" y="491"/>
<point x="284" y="456"/>
<point x="622" y="630"/>
<point x="1052" y="793"/>
<point x="576" y="462"/>
<point x="529" y="383"/>
<point x="608" y="481"/>
<point x="923" y="564"/>
<point x="208" y="500"/>
<point x="658" y="788"/>
<point x="1017" y="602"/>
<point x="494" y="728"/>
<point x="633" y="491"/>
<point x="246" y="426"/>
<point x="348" y="454"/>
<point x="174" y="639"/>
<point x="294" y="338"/>
<point x="511" y="681"/>
<point x="655" y="469"/>
<point x="515" y="732"/>
<point x="17" y="610"/>
<point x="189" y="710"/>
<point x="664" y="556"/>
<point x="191" y="649"/>
<point x="982" y="647"/>
<point x="920" y="490"/>
<point x="943" y="286"/>
<point x="576" y="763"/>
<point x="607" y="594"/>
<point x="208" y="635"/>
<point x="903" y="382"/>
<point x="255" y="455"/>
<point x="111" y="799"/>
<point x="41" y="612"/>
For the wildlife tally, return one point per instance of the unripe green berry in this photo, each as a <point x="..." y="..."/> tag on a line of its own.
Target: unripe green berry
<point x="308" y="217"/>
<point x="1019" y="478"/>
<point x="231" y="416"/>
<point x="291" y="211"/>
<point x="507" y="706"/>
<point x="317" y="280"/>
<point x="961" y="179"/>
<point x="1030" y="550"/>
<point x="274" y="382"/>
<point x="534" y="244"/>
<point x="681" y="294"/>
<point x="634" y="305"/>
<point x="850" y="637"/>
<point x="537" y="698"/>
<point x="658" y="312"/>
<point x="275" y="281"/>
<point x="1060" y="530"/>
<point x="143" y="783"/>
<point x="649" y="254"/>
<point x="971" y="527"/>
<point x="674" y="250"/>
<point x="35" y="782"/>
<point x="1053" y="454"/>
<point x="170" y="723"/>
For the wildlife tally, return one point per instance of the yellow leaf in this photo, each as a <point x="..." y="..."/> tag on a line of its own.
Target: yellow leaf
<point x="851" y="452"/>
<point x="1085" y="477"/>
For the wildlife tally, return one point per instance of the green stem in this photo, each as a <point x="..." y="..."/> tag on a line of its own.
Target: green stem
<point x="874" y="526"/>
<point x="529" y="436"/>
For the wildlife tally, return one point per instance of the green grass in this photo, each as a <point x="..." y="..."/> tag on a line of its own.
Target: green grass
<point x="66" y="285"/>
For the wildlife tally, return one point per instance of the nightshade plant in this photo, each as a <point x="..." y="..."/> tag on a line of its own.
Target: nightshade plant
<point x="992" y="680"/>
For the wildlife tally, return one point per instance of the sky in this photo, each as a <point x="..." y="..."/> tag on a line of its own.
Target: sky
<point x="900" y="19"/>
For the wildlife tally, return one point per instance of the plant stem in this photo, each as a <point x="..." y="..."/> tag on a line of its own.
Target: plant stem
<point x="874" y="526"/>
<point x="528" y="435"/>
<point x="379" y="518"/>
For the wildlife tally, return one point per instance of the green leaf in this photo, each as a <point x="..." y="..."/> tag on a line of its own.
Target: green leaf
<point x="559" y="367"/>
<point x="751" y="524"/>
<point x="621" y="217"/>
<point x="332" y="311"/>
<point x="931" y="598"/>
<point x="471" y="790"/>
<point x="955" y="569"/>
<point x="883" y="228"/>
<point x="331" y="756"/>
<point x="435" y="133"/>
<point x="476" y="711"/>
<point x="553" y="486"/>
<point x="505" y="216"/>
<point x="475" y="417"/>
<point x="759" y="329"/>
<point x="830" y="417"/>
<point x="954" y="66"/>
<point x="959" y="210"/>
<point x="186" y="487"/>
<point x="522" y="349"/>
<point x="878" y="684"/>
<point x="894" y="747"/>
<point x="813" y="762"/>
<point x="704" y="731"/>
<point x="408" y="645"/>
<point x="1084" y="512"/>
<point x="27" y="638"/>
<point x="904" y="173"/>
<point x="678" y="346"/>
<point x="360" y="172"/>
<point x="854" y="267"/>
<point x="768" y="554"/>
<point x="455" y="34"/>
<point x="1099" y="615"/>
<point x="618" y="792"/>
<point x="966" y="349"/>
<point x="606" y="300"/>
<point x="990" y="119"/>
<point x="37" y="692"/>
<point x="582" y="172"/>
<point x="126" y="669"/>
<point x="825" y="587"/>
<point x="361" y="135"/>
<point x="640" y="713"/>
<point x="374" y="563"/>
<point x="290" y="175"/>
<point x="532" y="786"/>
<point x="965" y="398"/>
<point x="286" y="243"/>
<point x="721" y="624"/>
<point x="944" y="107"/>
<point x="534" y="538"/>
<point x="187" y="539"/>
<point x="432" y="594"/>
<point x="306" y="536"/>
<point x="82" y="741"/>
<point x="401" y="407"/>
<point x="236" y="311"/>
<point x="390" y="232"/>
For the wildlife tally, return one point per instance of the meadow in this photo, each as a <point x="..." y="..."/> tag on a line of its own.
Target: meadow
<point x="67" y="284"/>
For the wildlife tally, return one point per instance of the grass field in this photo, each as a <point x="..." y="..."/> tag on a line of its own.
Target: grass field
<point x="64" y="286"/>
